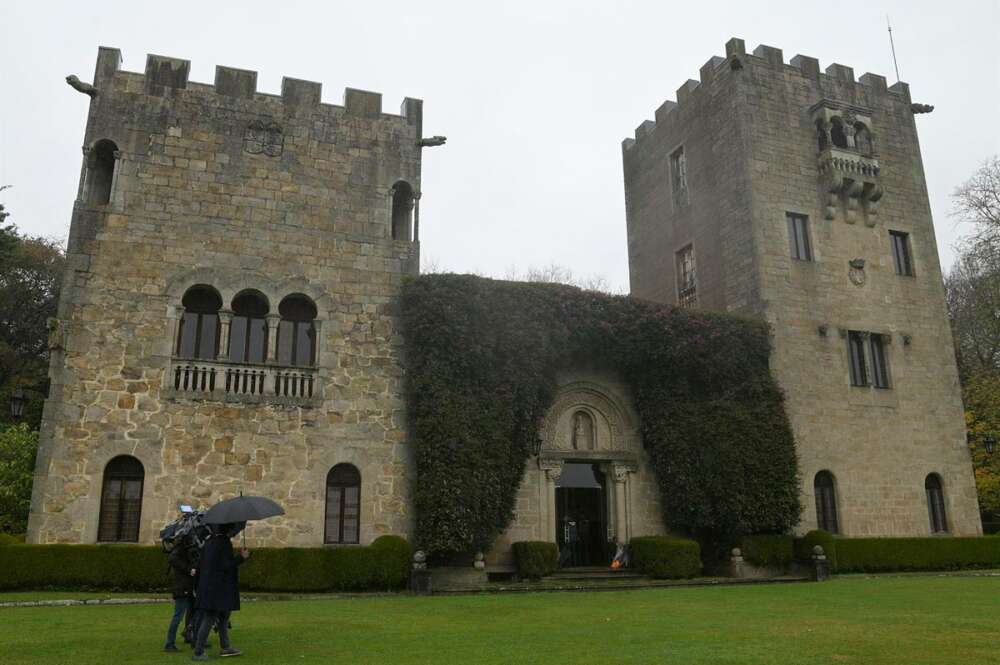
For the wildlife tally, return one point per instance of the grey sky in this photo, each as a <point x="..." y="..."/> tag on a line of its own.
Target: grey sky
<point x="535" y="97"/>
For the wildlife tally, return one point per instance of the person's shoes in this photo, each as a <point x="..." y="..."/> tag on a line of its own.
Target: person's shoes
<point x="230" y="652"/>
<point x="201" y="656"/>
<point x="170" y="648"/>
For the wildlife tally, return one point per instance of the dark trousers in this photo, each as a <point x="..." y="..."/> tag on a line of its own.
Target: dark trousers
<point x="183" y="607"/>
<point x="210" y="618"/>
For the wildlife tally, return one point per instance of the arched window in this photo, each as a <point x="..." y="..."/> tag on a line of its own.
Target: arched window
<point x="297" y="331"/>
<point x="248" y="331"/>
<point x="101" y="172"/>
<point x="343" y="505"/>
<point x="198" y="335"/>
<point x="121" y="501"/>
<point x="863" y="139"/>
<point x="935" y="504"/>
<point x="837" y="135"/>
<point x="826" y="502"/>
<point x="821" y="135"/>
<point x="402" y="211"/>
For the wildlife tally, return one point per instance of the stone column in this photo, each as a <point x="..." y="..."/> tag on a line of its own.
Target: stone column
<point x="272" y="337"/>
<point x="176" y="340"/>
<point x="621" y="475"/>
<point x="225" y="318"/>
<point x="416" y="217"/>
<point x="553" y="470"/>
<point x="119" y="164"/>
<point x="84" y="175"/>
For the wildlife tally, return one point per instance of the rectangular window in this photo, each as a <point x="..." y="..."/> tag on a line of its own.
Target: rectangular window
<point x="687" y="287"/>
<point x="856" y="353"/>
<point x="901" y="258"/>
<point x="798" y="236"/>
<point x="880" y="370"/>
<point x="678" y="175"/>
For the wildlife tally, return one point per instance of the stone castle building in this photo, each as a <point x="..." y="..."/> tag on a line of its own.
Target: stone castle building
<point x="229" y="316"/>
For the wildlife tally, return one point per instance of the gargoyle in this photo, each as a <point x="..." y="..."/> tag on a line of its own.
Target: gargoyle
<point x="432" y="141"/>
<point x="80" y="86"/>
<point x="921" y="108"/>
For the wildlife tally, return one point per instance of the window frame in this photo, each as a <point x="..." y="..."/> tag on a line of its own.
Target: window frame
<point x="687" y="296"/>
<point x="857" y="360"/>
<point x="936" y="511"/>
<point x="880" y="376"/>
<point x="902" y="254"/>
<point x="800" y="245"/>
<point x="825" y="497"/>
<point x="124" y="478"/>
<point x="341" y="518"/>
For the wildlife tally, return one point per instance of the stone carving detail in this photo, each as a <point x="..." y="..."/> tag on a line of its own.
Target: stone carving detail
<point x="856" y="272"/>
<point x="611" y="426"/>
<point x="264" y="138"/>
<point x="622" y="470"/>
<point x="583" y="431"/>
<point x="552" y="468"/>
<point x="78" y="85"/>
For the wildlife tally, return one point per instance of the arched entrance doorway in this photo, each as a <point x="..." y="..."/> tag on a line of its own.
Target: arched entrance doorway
<point x="582" y="515"/>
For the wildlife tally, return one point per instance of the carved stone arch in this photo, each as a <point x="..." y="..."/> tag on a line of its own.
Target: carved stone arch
<point x="614" y="422"/>
<point x="325" y="304"/>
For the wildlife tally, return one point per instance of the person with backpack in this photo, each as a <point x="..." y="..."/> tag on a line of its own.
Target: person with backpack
<point x="182" y="565"/>
<point x="218" y="588"/>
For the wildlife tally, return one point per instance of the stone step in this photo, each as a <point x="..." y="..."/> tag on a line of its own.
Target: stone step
<point x="594" y="574"/>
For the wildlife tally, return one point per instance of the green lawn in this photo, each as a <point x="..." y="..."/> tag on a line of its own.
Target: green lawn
<point x="891" y="621"/>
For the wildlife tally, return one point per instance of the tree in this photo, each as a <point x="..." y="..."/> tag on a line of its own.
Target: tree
<point x="977" y="201"/>
<point x="18" y="445"/>
<point x="981" y="394"/>
<point x="31" y="270"/>
<point x="972" y="294"/>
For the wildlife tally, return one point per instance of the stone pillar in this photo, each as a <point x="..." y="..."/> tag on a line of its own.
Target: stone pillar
<point x="84" y="175"/>
<point x="115" y="174"/>
<point x="225" y="318"/>
<point x="416" y="217"/>
<point x="821" y="566"/>
<point x="621" y="473"/>
<point x="553" y="470"/>
<point x="272" y="337"/>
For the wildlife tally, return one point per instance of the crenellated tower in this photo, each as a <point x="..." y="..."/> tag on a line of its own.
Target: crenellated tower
<point x="797" y="194"/>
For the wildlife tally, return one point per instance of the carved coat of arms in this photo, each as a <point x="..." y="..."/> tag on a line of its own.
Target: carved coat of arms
<point x="264" y="138"/>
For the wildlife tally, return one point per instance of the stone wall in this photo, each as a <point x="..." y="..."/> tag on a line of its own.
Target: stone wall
<point x="225" y="186"/>
<point x="880" y="445"/>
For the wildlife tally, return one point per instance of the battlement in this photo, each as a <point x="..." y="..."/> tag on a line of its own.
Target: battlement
<point x="737" y="58"/>
<point x="167" y="76"/>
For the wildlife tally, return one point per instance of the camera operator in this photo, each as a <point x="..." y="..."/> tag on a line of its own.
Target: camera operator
<point x="218" y="588"/>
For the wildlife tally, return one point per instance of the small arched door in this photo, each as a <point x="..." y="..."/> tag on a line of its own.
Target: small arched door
<point x="121" y="501"/>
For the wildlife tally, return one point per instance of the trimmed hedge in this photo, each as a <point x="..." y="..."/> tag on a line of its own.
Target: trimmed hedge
<point x="482" y="360"/>
<point x="383" y="565"/>
<point x="869" y="555"/>
<point x="768" y="551"/>
<point x="11" y="539"/>
<point x="535" y="559"/>
<point x="804" y="546"/>
<point x="663" y="557"/>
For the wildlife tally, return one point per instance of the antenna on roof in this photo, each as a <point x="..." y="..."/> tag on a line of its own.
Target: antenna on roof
<point x="893" y="47"/>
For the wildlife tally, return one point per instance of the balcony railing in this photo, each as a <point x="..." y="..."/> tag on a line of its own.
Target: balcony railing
<point x="208" y="379"/>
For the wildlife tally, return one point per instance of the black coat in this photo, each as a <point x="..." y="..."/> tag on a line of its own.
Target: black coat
<point x="181" y="563"/>
<point x="218" y="576"/>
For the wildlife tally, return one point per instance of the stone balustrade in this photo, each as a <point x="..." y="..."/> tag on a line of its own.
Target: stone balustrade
<point x="229" y="381"/>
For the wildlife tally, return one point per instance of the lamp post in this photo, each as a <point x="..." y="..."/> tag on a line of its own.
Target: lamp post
<point x="17" y="402"/>
<point x="991" y="444"/>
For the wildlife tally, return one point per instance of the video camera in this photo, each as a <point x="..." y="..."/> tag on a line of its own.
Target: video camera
<point x="189" y="530"/>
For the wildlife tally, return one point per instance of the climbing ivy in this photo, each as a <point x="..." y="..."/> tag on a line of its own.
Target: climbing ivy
<point x="482" y="357"/>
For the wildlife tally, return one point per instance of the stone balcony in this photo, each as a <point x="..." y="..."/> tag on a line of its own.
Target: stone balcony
<point x="848" y="175"/>
<point x="225" y="381"/>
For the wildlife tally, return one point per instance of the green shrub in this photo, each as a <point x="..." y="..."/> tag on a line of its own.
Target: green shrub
<point x="768" y="551"/>
<point x="870" y="555"/>
<point x="483" y="356"/>
<point x="11" y="539"/>
<point x="381" y="566"/>
<point x="663" y="557"/>
<point x="535" y="559"/>
<point x="804" y="546"/>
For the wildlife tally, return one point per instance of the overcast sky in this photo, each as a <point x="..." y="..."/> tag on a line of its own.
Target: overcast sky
<point x="534" y="97"/>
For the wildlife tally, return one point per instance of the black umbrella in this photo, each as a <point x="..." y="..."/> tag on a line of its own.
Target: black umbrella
<point x="243" y="509"/>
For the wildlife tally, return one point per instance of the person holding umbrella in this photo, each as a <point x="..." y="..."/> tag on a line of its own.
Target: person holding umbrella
<point x="218" y="588"/>
<point x="218" y="582"/>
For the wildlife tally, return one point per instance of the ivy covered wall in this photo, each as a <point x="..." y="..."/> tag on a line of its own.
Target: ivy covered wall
<point x="481" y="359"/>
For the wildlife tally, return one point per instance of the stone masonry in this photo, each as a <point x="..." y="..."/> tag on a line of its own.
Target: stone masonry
<point x="717" y="172"/>
<point x="224" y="186"/>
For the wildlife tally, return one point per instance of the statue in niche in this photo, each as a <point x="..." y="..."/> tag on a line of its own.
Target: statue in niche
<point x="583" y="431"/>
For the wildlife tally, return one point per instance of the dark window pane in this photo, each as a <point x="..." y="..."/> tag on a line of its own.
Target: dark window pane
<point x="305" y="342"/>
<point x="121" y="500"/>
<point x="880" y="371"/>
<point x="901" y="260"/>
<point x="188" y="335"/>
<point x="238" y="339"/>
<point x="333" y="514"/>
<point x="343" y="504"/>
<point x="110" y="502"/>
<point x="257" y="351"/>
<point x="286" y="338"/>
<point x="351" y="514"/>
<point x="859" y="373"/>
<point x="208" y="336"/>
